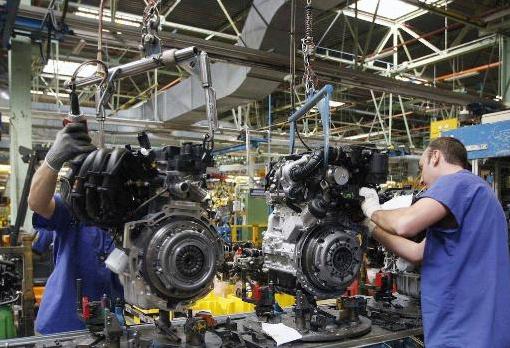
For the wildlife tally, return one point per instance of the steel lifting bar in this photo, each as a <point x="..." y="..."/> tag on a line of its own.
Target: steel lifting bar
<point x="324" y="94"/>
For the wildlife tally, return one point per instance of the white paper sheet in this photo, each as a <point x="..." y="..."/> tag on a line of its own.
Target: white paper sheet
<point x="398" y="202"/>
<point x="281" y="333"/>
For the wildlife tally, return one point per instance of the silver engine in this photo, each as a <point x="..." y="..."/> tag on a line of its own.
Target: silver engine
<point x="155" y="203"/>
<point x="315" y="238"/>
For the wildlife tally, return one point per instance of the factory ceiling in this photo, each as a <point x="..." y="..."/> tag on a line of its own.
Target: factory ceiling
<point x="370" y="58"/>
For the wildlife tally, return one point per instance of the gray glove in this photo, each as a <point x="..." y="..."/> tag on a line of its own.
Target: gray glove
<point x="71" y="141"/>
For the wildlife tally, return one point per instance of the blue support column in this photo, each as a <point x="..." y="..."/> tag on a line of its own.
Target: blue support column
<point x="20" y="131"/>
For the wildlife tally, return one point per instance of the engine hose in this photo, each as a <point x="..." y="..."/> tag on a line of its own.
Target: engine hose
<point x="302" y="171"/>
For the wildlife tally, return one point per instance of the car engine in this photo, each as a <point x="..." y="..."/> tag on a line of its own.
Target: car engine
<point x="155" y="204"/>
<point x="315" y="238"/>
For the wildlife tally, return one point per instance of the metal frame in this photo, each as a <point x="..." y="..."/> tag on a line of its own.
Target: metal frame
<point x="366" y="60"/>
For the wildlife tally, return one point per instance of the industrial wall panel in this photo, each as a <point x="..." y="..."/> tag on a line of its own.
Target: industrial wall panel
<point x="484" y="140"/>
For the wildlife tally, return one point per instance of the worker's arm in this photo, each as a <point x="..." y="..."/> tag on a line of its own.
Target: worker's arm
<point x="40" y="199"/>
<point x="408" y="222"/>
<point x="70" y="142"/>
<point x="403" y="247"/>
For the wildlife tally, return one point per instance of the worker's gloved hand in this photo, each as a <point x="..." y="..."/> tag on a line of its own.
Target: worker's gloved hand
<point x="371" y="202"/>
<point x="71" y="141"/>
<point x="370" y="225"/>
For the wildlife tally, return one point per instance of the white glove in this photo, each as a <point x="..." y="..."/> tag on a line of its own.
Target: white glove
<point x="371" y="202"/>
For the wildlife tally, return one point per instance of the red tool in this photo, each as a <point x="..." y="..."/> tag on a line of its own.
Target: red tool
<point x="85" y="308"/>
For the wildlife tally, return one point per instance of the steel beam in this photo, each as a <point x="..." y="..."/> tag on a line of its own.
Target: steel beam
<point x="449" y="53"/>
<point x="231" y="21"/>
<point x="380" y="46"/>
<point x="419" y="38"/>
<point x="459" y="17"/>
<point x="171" y="9"/>
<point x="270" y="61"/>
<point x="381" y="122"/>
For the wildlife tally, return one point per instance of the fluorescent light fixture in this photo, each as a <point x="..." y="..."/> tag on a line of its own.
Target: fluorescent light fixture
<point x="67" y="68"/>
<point x="335" y="104"/>
<point x="5" y="95"/>
<point x="5" y="168"/>
<point x="332" y="104"/>
<point x="390" y="9"/>
<point x="120" y="17"/>
<point x="51" y="94"/>
<point x="411" y="79"/>
<point x="366" y="135"/>
<point x="402" y="78"/>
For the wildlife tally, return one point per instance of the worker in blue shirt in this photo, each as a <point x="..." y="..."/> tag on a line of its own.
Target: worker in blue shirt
<point x="465" y="272"/>
<point x="80" y="250"/>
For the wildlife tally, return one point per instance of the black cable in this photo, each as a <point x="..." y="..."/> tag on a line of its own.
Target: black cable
<point x="301" y="139"/>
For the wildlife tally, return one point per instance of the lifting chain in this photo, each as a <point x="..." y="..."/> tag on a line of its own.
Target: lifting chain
<point x="150" y="43"/>
<point x="308" y="48"/>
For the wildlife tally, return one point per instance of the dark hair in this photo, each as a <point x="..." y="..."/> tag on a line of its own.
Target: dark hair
<point x="453" y="150"/>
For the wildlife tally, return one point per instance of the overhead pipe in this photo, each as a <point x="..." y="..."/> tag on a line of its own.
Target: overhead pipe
<point x="461" y="74"/>
<point x="166" y="58"/>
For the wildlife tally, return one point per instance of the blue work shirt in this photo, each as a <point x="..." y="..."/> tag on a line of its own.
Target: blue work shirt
<point x="79" y="252"/>
<point x="43" y="241"/>
<point x="465" y="275"/>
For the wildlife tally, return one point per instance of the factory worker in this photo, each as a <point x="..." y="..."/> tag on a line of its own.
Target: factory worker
<point x="80" y="251"/>
<point x="465" y="263"/>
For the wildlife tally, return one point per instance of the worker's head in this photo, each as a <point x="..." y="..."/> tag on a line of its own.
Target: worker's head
<point x="443" y="156"/>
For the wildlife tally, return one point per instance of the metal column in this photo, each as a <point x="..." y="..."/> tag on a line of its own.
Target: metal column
<point x="20" y="131"/>
<point x="504" y="69"/>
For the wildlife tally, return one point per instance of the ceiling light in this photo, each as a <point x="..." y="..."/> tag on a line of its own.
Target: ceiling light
<point x="120" y="17"/>
<point x="412" y="79"/>
<point x="402" y="78"/>
<point x="365" y="135"/>
<point x="5" y="95"/>
<point x="391" y="9"/>
<point x="335" y="104"/>
<point x="67" y="68"/>
<point x="5" y="168"/>
<point x="51" y="94"/>
<point x="332" y="104"/>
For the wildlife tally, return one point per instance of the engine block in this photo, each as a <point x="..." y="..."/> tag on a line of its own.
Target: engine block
<point x="315" y="238"/>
